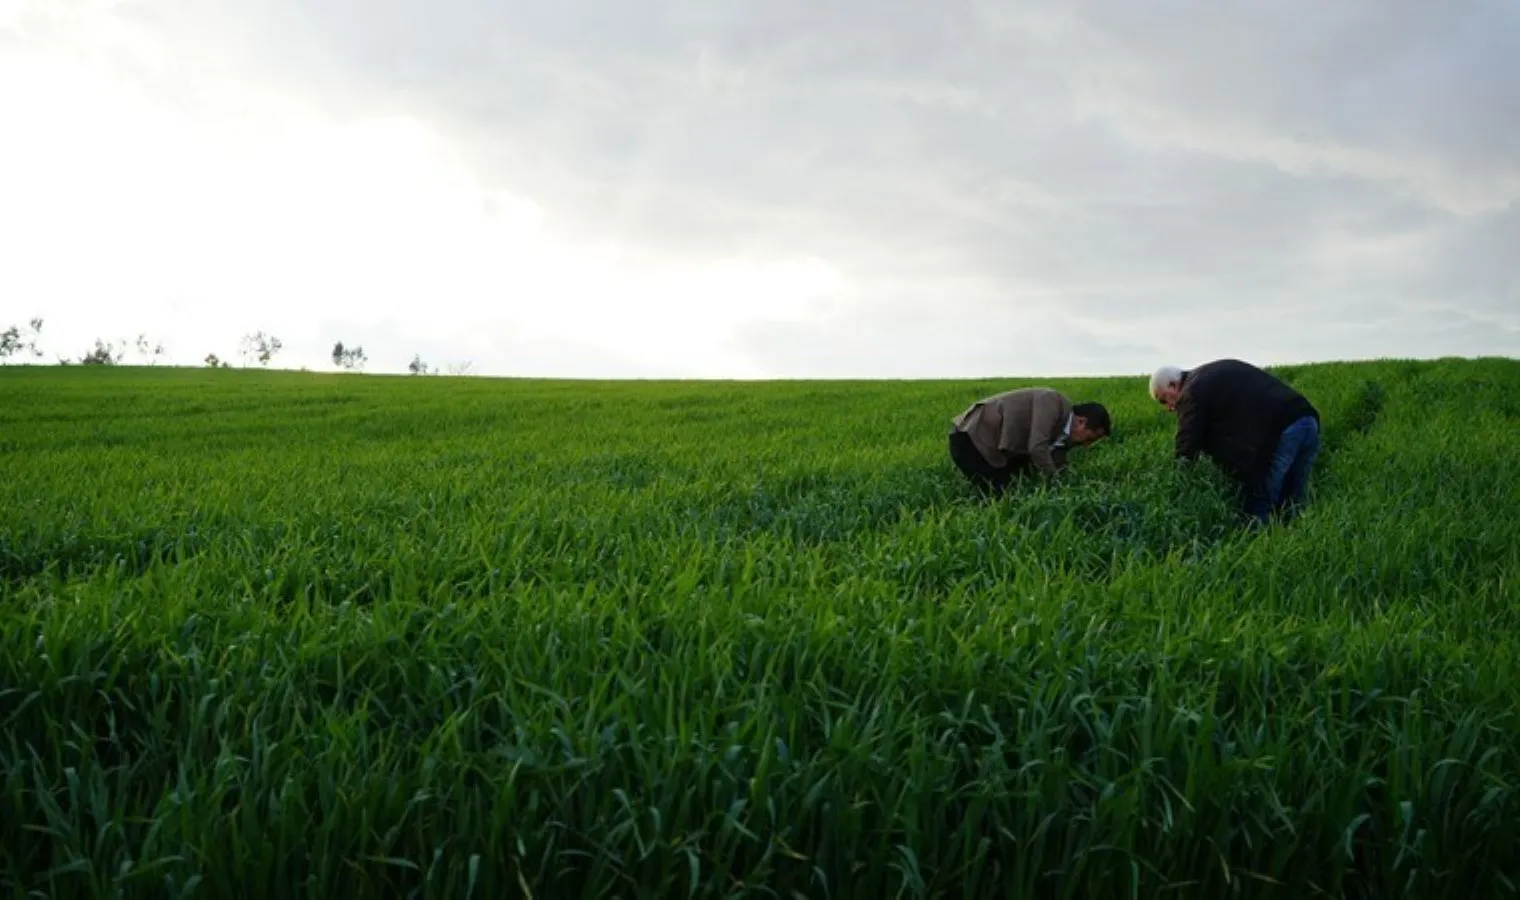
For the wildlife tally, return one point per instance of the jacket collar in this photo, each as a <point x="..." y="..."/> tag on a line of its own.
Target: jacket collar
<point x="1065" y="436"/>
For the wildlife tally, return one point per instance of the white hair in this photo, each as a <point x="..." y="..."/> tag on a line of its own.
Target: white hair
<point x="1164" y="376"/>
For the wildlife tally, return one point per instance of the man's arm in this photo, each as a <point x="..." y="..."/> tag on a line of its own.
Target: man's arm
<point x="1044" y="421"/>
<point x="1191" y="423"/>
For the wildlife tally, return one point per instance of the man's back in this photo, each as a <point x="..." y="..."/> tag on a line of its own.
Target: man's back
<point x="1233" y="412"/>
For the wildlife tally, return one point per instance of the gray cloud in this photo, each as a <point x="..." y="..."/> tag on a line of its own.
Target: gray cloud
<point x="1060" y="188"/>
<point x="913" y="341"/>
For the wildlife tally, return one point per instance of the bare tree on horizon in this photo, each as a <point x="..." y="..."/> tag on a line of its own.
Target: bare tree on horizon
<point x="14" y="341"/>
<point x="259" y="346"/>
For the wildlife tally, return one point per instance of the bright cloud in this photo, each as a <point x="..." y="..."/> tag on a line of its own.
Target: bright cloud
<point x="769" y="189"/>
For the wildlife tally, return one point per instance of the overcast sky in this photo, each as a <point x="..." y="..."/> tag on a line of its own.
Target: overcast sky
<point x="765" y="188"/>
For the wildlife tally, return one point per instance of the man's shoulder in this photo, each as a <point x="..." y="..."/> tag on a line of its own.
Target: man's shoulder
<point x="1014" y="395"/>
<point x="1220" y="371"/>
<point x="1228" y="366"/>
<point x="1035" y="392"/>
<point x="1032" y="397"/>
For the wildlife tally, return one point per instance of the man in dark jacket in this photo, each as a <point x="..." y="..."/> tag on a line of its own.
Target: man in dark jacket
<point x="1258" y="430"/>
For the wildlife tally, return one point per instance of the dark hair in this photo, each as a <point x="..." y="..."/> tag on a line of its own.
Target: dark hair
<point x="1096" y="416"/>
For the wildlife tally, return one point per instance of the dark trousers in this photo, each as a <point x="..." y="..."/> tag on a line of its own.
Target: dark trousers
<point x="986" y="477"/>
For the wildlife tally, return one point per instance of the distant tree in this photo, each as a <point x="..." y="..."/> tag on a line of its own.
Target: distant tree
<point x="13" y="340"/>
<point x="31" y="342"/>
<point x="462" y="368"/>
<point x="104" y="354"/>
<point x="214" y="362"/>
<point x="259" y="346"/>
<point x="149" y="351"/>
<point x="350" y="358"/>
<point x="417" y="366"/>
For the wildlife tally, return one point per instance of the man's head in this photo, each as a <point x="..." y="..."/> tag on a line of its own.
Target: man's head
<point x="1089" y="423"/>
<point x="1166" y="384"/>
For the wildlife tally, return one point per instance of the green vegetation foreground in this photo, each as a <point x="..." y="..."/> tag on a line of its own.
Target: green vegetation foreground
<point x="280" y="634"/>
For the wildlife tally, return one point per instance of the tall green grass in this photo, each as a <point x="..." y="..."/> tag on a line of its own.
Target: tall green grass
<point x="278" y="634"/>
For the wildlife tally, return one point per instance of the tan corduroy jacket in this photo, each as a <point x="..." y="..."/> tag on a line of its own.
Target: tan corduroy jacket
<point x="1021" y="423"/>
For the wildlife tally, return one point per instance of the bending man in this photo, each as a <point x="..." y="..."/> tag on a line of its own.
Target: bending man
<point x="1016" y="431"/>
<point x="1258" y="430"/>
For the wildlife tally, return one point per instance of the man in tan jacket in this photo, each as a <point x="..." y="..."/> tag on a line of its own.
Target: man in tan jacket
<point x="1007" y="434"/>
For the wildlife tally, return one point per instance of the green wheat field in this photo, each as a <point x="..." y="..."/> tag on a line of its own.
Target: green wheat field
<point x="283" y="634"/>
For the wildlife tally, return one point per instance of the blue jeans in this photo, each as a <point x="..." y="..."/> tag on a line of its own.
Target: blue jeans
<point x="1288" y="476"/>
